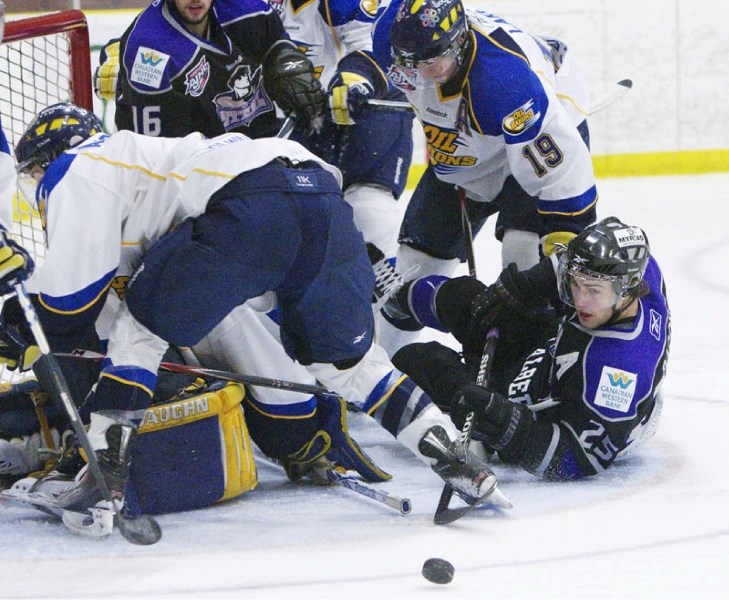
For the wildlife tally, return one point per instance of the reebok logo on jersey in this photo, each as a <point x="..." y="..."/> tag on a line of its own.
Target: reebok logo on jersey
<point x="655" y="324"/>
<point x="149" y="67"/>
<point x="616" y="389"/>
<point x="521" y="119"/>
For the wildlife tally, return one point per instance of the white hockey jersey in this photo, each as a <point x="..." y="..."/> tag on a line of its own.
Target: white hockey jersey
<point x="108" y="200"/>
<point x="503" y="117"/>
<point x="328" y="30"/>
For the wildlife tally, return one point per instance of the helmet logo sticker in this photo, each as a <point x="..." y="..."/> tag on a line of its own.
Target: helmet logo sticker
<point x="630" y="236"/>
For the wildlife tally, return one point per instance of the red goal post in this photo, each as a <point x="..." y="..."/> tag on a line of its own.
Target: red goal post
<point x="43" y="60"/>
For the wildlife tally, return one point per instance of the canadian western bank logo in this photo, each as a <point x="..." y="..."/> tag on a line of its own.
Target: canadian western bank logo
<point x="616" y="389"/>
<point x="149" y="67"/>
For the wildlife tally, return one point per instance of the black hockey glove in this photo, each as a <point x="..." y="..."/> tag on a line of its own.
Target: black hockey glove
<point x="435" y="368"/>
<point x="18" y="349"/>
<point x="289" y="79"/>
<point x="499" y="423"/>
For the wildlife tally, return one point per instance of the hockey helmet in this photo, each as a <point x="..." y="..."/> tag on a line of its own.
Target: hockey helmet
<point x="608" y="250"/>
<point x="55" y="129"/>
<point x="426" y="29"/>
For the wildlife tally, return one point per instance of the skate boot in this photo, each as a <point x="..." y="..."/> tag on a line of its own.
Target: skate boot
<point x="468" y="475"/>
<point x="388" y="280"/>
<point x="114" y="461"/>
<point x="22" y="455"/>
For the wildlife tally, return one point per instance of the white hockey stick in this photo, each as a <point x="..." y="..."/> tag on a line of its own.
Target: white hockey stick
<point x="402" y="505"/>
<point x="610" y="97"/>
<point x="600" y="103"/>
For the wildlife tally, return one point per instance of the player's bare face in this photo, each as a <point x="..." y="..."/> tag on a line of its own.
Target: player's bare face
<point x="594" y="300"/>
<point x="194" y="14"/>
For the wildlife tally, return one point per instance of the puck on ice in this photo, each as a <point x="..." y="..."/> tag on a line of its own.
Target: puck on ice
<point x="438" y="570"/>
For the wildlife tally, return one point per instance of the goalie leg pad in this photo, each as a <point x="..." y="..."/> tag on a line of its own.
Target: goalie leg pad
<point x="193" y="451"/>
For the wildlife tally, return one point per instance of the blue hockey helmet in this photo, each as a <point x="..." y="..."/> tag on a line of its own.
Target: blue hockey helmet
<point x="426" y="29"/>
<point x="55" y="129"/>
<point x="608" y="250"/>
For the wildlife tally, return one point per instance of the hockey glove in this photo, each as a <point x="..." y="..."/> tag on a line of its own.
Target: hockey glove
<point x="553" y="242"/>
<point x="17" y="345"/>
<point x="16" y="265"/>
<point x="107" y="73"/>
<point x="333" y="443"/>
<point x="348" y="95"/>
<point x="289" y="79"/>
<point x="498" y="423"/>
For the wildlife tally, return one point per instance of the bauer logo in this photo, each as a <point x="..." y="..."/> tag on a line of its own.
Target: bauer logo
<point x="149" y="67"/>
<point x="616" y="389"/>
<point x="521" y="119"/>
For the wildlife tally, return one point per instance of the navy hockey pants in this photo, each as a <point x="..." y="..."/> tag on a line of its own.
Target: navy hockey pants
<point x="275" y="228"/>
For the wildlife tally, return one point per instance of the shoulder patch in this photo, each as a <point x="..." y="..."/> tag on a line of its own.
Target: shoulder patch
<point x="616" y="389"/>
<point x="149" y="67"/>
<point x="521" y="119"/>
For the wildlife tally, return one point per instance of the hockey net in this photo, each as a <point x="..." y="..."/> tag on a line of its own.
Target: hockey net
<point x="43" y="60"/>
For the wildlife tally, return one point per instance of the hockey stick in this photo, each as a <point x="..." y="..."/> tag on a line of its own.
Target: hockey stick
<point x="143" y="529"/>
<point x="610" y="97"/>
<point x="444" y="514"/>
<point x="286" y="127"/>
<point x="402" y="505"/>
<point x="596" y="105"/>
<point x="280" y="384"/>
<point x="467" y="233"/>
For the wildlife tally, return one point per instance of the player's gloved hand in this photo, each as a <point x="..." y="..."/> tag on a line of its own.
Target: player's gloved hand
<point x="16" y="265"/>
<point x="333" y="442"/>
<point x="554" y="242"/>
<point x="107" y="73"/>
<point x="348" y="95"/>
<point x="498" y="423"/>
<point x="289" y="79"/>
<point x="17" y="345"/>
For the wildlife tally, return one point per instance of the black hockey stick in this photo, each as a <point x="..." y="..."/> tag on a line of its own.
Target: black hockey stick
<point x="290" y="386"/>
<point x="143" y="529"/>
<point x="467" y="232"/>
<point x="444" y="514"/>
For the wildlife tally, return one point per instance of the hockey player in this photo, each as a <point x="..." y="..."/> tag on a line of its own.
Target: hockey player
<point x="229" y="201"/>
<point x="568" y="406"/>
<point x="372" y="148"/>
<point x="486" y="94"/>
<point x="211" y="66"/>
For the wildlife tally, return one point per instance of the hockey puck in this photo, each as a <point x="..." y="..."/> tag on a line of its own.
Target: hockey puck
<point x="438" y="570"/>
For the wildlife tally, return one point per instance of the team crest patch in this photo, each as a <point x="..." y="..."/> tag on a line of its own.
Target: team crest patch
<point x="197" y="78"/>
<point x="149" y="67"/>
<point x="521" y="119"/>
<point x="616" y="389"/>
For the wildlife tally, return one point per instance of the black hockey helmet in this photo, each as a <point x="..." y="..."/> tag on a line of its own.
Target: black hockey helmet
<point x="608" y="250"/>
<point x="55" y="129"/>
<point x="426" y="29"/>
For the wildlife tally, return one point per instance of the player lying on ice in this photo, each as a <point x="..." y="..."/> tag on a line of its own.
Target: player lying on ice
<point x="184" y="230"/>
<point x="567" y="397"/>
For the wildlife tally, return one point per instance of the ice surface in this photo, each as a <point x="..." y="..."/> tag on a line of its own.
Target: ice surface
<point x="654" y="526"/>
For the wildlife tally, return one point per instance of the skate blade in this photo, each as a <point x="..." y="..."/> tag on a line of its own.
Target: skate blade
<point x="96" y="523"/>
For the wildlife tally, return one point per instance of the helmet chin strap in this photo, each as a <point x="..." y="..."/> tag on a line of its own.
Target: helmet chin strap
<point x="618" y="312"/>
